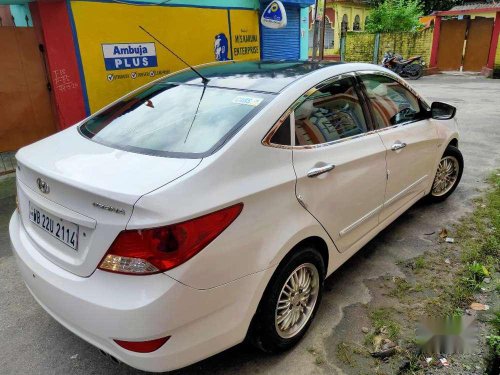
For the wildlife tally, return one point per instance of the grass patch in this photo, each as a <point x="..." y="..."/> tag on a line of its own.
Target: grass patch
<point x="311" y="350"/>
<point x="382" y="320"/>
<point x="493" y="338"/>
<point x="419" y="287"/>
<point x="319" y="360"/>
<point x="419" y="263"/>
<point x="8" y="186"/>
<point x="442" y="282"/>
<point x="475" y="273"/>
<point x="344" y="353"/>
<point x="401" y="288"/>
<point x="478" y="235"/>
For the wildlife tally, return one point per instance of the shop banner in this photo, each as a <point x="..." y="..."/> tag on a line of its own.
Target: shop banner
<point x="117" y="56"/>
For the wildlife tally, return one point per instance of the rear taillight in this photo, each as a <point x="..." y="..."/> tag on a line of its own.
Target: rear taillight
<point x="147" y="251"/>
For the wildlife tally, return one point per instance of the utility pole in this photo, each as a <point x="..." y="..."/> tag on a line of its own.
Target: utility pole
<point x="322" y="38"/>
<point x="319" y="27"/>
<point x="343" y="33"/>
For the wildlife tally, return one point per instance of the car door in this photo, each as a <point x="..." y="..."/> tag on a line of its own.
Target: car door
<point x="403" y="124"/>
<point x="339" y="162"/>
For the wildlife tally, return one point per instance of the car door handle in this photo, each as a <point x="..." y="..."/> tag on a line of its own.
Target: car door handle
<point x="320" y="170"/>
<point x="398" y="146"/>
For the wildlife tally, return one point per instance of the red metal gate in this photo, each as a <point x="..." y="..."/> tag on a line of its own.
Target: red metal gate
<point x="451" y="44"/>
<point x="464" y="44"/>
<point x="25" y="105"/>
<point x="478" y="44"/>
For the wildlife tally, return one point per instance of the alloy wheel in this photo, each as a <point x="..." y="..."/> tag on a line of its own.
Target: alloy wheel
<point x="446" y="176"/>
<point x="297" y="300"/>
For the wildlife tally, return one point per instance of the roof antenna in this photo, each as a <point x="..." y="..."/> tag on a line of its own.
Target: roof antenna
<point x="196" y="113"/>
<point x="203" y="79"/>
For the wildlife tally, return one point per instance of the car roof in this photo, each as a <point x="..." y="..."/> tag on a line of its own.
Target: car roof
<point x="263" y="76"/>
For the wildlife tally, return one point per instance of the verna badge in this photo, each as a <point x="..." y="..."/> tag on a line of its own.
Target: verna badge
<point x="109" y="208"/>
<point x="42" y="186"/>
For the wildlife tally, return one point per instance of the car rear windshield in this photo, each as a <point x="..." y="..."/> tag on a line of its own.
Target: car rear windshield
<point x="174" y="120"/>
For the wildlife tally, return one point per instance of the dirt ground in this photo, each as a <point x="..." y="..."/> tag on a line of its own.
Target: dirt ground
<point x="33" y="343"/>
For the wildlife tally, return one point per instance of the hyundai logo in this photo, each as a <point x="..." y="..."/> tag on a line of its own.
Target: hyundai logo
<point x="42" y="186"/>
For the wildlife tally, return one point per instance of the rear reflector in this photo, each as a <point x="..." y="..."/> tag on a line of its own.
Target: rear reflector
<point x="142" y="346"/>
<point x="147" y="251"/>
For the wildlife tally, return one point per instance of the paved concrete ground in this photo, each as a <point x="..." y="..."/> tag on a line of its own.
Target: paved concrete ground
<point x="33" y="343"/>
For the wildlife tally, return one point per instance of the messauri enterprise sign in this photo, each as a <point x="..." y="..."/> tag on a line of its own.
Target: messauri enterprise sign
<point x="129" y="56"/>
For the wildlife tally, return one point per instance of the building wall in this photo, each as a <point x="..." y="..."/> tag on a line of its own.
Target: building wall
<point x="246" y="4"/>
<point x="497" y="56"/>
<point x="304" y="33"/>
<point x="20" y="12"/>
<point x="427" y="20"/>
<point x="408" y="44"/>
<point x="6" y="16"/>
<point x="191" y="31"/>
<point x="351" y="10"/>
<point x="360" y="45"/>
<point x="483" y="14"/>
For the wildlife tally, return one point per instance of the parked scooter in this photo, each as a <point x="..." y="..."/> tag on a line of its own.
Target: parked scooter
<point x="413" y="68"/>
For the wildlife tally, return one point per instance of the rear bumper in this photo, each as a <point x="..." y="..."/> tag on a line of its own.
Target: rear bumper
<point x="108" y="306"/>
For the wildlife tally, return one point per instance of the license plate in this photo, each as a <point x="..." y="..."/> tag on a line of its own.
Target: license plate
<point x="64" y="230"/>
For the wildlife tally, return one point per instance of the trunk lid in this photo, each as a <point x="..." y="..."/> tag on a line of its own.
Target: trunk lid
<point x="90" y="188"/>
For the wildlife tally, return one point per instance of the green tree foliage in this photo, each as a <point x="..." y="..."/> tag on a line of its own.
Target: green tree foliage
<point x="394" y="16"/>
<point x="430" y="6"/>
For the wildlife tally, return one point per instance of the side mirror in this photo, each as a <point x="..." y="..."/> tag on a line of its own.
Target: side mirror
<point x="442" y="111"/>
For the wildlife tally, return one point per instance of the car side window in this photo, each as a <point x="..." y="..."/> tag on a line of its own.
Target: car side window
<point x="282" y="135"/>
<point x="331" y="113"/>
<point x="391" y="102"/>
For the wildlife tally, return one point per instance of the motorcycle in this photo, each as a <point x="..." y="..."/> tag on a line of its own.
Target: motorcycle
<point x="413" y="68"/>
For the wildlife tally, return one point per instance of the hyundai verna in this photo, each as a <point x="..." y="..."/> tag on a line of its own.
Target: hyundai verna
<point x="190" y="215"/>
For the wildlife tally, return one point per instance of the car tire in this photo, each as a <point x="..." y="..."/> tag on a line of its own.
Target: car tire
<point x="305" y="290"/>
<point x="450" y="166"/>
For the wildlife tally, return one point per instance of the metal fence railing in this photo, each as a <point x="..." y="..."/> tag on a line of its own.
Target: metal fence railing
<point x="7" y="162"/>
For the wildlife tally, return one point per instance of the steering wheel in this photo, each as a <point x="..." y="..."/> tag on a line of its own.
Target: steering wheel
<point x="403" y="115"/>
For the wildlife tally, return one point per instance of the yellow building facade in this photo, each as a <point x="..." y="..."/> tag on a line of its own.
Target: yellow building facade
<point x="354" y="12"/>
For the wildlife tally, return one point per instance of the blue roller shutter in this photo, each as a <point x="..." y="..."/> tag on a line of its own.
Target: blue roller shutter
<point x="283" y="44"/>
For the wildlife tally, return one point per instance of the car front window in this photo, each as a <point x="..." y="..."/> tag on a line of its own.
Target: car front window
<point x="170" y="120"/>
<point x="391" y="103"/>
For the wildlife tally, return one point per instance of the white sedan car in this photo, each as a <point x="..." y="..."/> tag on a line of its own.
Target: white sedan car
<point x="190" y="215"/>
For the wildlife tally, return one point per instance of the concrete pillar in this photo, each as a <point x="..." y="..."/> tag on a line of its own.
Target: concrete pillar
<point x="494" y="42"/>
<point x="435" y="43"/>
<point x="53" y="23"/>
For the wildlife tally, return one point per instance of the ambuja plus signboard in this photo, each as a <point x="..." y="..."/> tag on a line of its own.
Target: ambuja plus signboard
<point x="129" y="56"/>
